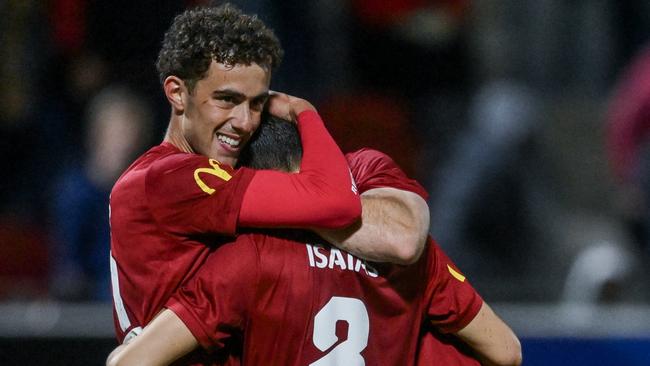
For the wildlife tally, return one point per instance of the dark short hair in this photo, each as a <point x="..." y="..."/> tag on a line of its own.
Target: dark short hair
<point x="276" y="145"/>
<point x="224" y="34"/>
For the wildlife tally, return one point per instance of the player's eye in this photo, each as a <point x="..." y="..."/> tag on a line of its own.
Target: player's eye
<point x="258" y="104"/>
<point x="226" y="101"/>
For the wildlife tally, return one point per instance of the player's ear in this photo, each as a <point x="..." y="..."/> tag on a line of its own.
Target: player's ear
<point x="175" y="91"/>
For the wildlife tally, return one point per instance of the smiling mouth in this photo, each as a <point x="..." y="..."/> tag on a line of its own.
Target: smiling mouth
<point x="229" y="141"/>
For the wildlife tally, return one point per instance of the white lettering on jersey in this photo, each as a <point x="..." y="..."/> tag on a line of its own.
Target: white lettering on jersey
<point x="321" y="258"/>
<point x="348" y="351"/>
<point x="336" y="258"/>
<point x="310" y="255"/>
<point x="318" y="257"/>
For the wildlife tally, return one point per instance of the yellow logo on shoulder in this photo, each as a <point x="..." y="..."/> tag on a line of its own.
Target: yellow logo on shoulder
<point x="456" y="275"/>
<point x="215" y="170"/>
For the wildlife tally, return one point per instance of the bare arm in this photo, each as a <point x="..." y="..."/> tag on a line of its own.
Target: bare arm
<point x="493" y="341"/>
<point x="393" y="227"/>
<point x="162" y="342"/>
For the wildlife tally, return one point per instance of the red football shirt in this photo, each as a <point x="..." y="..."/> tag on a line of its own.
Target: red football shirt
<point x="158" y="216"/>
<point x="170" y="209"/>
<point x="315" y="305"/>
<point x="436" y="349"/>
<point x="373" y="169"/>
<point x="312" y="304"/>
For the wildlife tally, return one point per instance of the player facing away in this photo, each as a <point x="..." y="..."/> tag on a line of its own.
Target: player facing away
<point x="182" y="198"/>
<point x="295" y="300"/>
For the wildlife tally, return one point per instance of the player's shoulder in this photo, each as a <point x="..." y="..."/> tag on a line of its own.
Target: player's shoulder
<point x="258" y="247"/>
<point x="276" y="247"/>
<point x="269" y="239"/>
<point x="152" y="156"/>
<point x="168" y="161"/>
<point x="370" y="160"/>
<point x="159" y="164"/>
<point x="367" y="155"/>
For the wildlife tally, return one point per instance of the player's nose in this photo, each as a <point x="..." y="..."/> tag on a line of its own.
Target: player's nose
<point x="242" y="120"/>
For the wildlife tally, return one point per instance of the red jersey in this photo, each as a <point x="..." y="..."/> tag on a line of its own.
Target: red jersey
<point x="443" y="350"/>
<point x="374" y="169"/>
<point x="311" y="304"/>
<point x="170" y="209"/>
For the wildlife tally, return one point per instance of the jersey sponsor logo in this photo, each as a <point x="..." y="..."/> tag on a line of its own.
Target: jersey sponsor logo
<point x="457" y="275"/>
<point x="215" y="170"/>
<point x="318" y="257"/>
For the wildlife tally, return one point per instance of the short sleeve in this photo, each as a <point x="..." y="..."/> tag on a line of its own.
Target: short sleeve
<point x="191" y="194"/>
<point x="443" y="349"/>
<point x="452" y="301"/>
<point x="214" y="304"/>
<point x="374" y="169"/>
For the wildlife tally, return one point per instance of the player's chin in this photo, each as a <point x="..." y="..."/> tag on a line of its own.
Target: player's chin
<point x="225" y="154"/>
<point x="228" y="159"/>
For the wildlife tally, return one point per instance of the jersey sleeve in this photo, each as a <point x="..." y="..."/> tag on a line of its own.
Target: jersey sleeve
<point x="320" y="195"/>
<point x="443" y="349"/>
<point x="214" y="304"/>
<point x="191" y="194"/>
<point x="452" y="301"/>
<point x="374" y="169"/>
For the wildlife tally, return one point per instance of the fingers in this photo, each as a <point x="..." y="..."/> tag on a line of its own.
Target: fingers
<point x="286" y="106"/>
<point x="279" y="105"/>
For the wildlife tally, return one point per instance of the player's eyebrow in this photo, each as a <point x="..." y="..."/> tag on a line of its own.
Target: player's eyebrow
<point x="239" y="95"/>
<point x="229" y="92"/>
<point x="262" y="96"/>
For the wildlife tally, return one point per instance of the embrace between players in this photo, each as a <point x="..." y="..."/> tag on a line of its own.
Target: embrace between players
<point x="244" y="239"/>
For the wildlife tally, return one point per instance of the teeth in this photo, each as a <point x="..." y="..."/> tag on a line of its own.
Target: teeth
<point x="230" y="141"/>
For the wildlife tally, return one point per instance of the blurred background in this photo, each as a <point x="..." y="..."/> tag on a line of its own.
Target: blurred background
<point x="528" y="121"/>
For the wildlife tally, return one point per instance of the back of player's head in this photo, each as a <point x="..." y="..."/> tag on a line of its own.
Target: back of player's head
<point x="275" y="145"/>
<point x="224" y="34"/>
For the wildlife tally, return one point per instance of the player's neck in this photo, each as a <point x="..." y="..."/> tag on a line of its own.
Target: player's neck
<point x="175" y="136"/>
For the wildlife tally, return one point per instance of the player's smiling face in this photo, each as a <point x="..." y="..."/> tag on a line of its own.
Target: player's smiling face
<point x="224" y="110"/>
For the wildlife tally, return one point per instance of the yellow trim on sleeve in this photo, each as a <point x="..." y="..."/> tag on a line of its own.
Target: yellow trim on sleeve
<point x="456" y="275"/>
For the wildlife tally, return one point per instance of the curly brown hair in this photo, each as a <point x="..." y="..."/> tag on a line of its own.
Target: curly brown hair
<point x="224" y="34"/>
